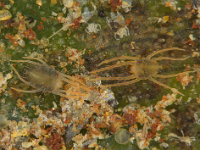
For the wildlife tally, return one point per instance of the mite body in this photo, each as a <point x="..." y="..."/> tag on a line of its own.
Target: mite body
<point x="146" y="68"/>
<point x="44" y="78"/>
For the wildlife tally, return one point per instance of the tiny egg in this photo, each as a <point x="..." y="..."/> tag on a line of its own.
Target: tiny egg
<point x="122" y="136"/>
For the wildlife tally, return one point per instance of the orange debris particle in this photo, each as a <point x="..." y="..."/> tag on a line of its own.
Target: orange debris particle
<point x="7" y="36"/>
<point x="189" y="42"/>
<point x="161" y="128"/>
<point x="40" y="27"/>
<point x="168" y="4"/>
<point x="184" y="79"/>
<point x="76" y="23"/>
<point x="77" y="4"/>
<point x="115" y="4"/>
<point x="21" y="104"/>
<point x="154" y="128"/>
<point x="43" y="19"/>
<point x="13" y="40"/>
<point x="95" y="131"/>
<point x="82" y="61"/>
<point x="89" y="52"/>
<point x="130" y="117"/>
<point x="188" y="6"/>
<point x="164" y="98"/>
<point x="67" y="120"/>
<point x="128" y="21"/>
<point x="81" y="78"/>
<point x="100" y="125"/>
<point x="72" y="53"/>
<point x="95" y="108"/>
<point x="30" y="34"/>
<point x="178" y="19"/>
<point x="150" y="135"/>
<point x="54" y="141"/>
<point x="161" y="140"/>
<point x="2" y="4"/>
<point x="195" y="25"/>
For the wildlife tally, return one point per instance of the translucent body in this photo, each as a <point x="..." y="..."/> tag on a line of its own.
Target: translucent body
<point x="121" y="32"/>
<point x="93" y="28"/>
<point x="122" y="136"/>
<point x="144" y="68"/>
<point x="41" y="77"/>
<point x="141" y="69"/>
<point x="44" y="78"/>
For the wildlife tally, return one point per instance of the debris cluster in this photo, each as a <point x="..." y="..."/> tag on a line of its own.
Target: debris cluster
<point x="86" y="112"/>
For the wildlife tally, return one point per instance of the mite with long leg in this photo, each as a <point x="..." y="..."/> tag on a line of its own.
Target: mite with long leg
<point x="146" y="68"/>
<point x="44" y="78"/>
